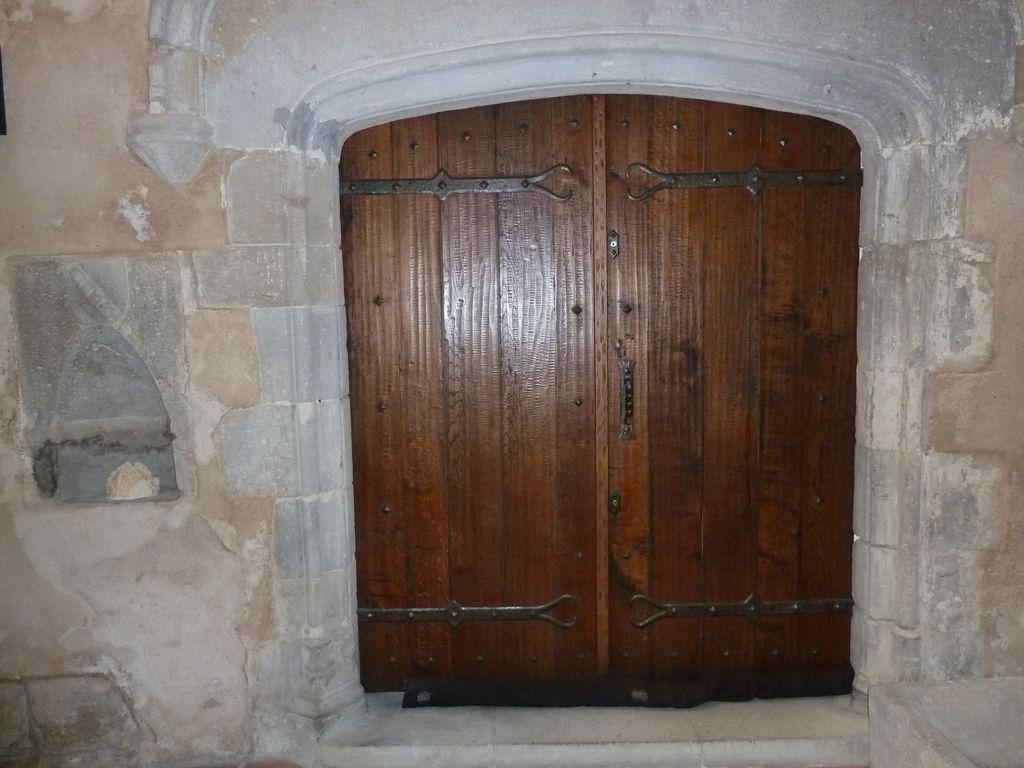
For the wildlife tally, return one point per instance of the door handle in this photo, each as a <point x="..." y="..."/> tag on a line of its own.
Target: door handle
<point x="626" y="368"/>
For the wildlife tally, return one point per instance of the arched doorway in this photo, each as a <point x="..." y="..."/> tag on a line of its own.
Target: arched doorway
<point x="603" y="395"/>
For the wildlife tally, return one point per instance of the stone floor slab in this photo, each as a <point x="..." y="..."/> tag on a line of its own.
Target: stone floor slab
<point x="781" y="733"/>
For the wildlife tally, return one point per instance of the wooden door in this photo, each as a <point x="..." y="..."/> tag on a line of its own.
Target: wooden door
<point x="488" y="324"/>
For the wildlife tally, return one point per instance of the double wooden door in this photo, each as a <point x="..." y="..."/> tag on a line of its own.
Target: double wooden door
<point x="602" y="354"/>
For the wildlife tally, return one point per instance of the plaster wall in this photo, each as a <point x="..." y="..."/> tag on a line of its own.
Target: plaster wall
<point x="219" y="623"/>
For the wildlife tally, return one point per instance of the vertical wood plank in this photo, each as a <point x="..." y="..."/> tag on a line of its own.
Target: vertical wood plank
<point x="472" y="352"/>
<point x="673" y="359"/>
<point x="371" y="281"/>
<point x="731" y="327"/>
<point x="601" y="379"/>
<point x="787" y="143"/>
<point x="529" y="370"/>
<point x="570" y="142"/>
<point x="829" y="364"/>
<point x="414" y="153"/>
<point x="628" y="122"/>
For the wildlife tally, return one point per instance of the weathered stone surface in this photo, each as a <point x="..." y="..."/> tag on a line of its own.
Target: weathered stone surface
<point x="257" y="199"/>
<point x="961" y="317"/>
<point x="887" y="497"/>
<point x="222" y="355"/>
<point x="80" y="713"/>
<point x="965" y="78"/>
<point x="282" y="450"/>
<point x="953" y="642"/>
<point x="933" y="176"/>
<point x="100" y="342"/>
<point x="962" y="502"/>
<point x="256" y="276"/>
<point x="14" y="724"/>
<point x="883" y="652"/>
<point x="174" y="146"/>
<point x="302" y="353"/>
<point x="993" y="192"/>
<point x="948" y="725"/>
<point x="310" y="535"/>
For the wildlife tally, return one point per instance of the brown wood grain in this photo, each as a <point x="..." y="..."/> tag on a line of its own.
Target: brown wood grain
<point x="473" y="387"/>
<point x="628" y="121"/>
<point x="484" y="337"/>
<point x="599" y="200"/>
<point x="674" y="362"/>
<point x="375" y="339"/>
<point x="731" y="386"/>
<point x="421" y="394"/>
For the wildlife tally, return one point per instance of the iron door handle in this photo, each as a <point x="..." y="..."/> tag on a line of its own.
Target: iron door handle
<point x="626" y="368"/>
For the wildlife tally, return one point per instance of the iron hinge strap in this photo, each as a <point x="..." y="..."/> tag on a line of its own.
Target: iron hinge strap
<point x="443" y="185"/>
<point x="753" y="608"/>
<point x="754" y="180"/>
<point x="456" y="614"/>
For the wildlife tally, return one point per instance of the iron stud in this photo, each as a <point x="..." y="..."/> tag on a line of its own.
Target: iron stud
<point x="625" y="123"/>
<point x="467" y="136"/>
<point x="730" y="132"/>
<point x="378" y="299"/>
<point x="574" y="123"/>
<point x="783" y="141"/>
<point x="578" y="402"/>
<point x="374" y="154"/>
<point x="523" y="128"/>
<point x="676" y="125"/>
<point x="577" y="309"/>
<point x="414" y="146"/>
<point x="385" y="508"/>
<point x="579" y="555"/>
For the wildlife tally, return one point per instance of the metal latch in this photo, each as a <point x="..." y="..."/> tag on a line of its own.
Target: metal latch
<point x="613" y="244"/>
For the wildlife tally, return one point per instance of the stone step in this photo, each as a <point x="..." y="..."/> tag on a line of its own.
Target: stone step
<point x="790" y="733"/>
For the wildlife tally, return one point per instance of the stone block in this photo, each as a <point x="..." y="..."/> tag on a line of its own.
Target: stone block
<point x="102" y="374"/>
<point x="953" y="642"/>
<point x="14" y="725"/>
<point x="886" y="497"/>
<point x="930" y="175"/>
<point x="310" y="535"/>
<point x="302" y="354"/>
<point x="221" y="351"/>
<point x="880" y="574"/>
<point x="890" y="326"/>
<point x="322" y="207"/>
<point x="281" y="450"/>
<point x="960" y="315"/>
<point x="962" y="502"/>
<point x="948" y="725"/>
<point x="996" y="167"/>
<point x="76" y="714"/>
<point x="883" y="652"/>
<point x="267" y="276"/>
<point x="255" y="199"/>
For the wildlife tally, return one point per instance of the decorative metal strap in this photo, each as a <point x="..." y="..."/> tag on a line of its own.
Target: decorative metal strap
<point x="752" y="608"/>
<point x="754" y="180"/>
<point x="443" y="185"/>
<point x="455" y="614"/>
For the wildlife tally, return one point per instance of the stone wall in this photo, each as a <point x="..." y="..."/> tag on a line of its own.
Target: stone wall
<point x="188" y="593"/>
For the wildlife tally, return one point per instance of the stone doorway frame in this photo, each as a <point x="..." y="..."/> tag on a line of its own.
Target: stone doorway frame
<point x="911" y="217"/>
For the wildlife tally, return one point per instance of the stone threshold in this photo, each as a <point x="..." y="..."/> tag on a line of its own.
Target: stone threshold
<point x="779" y="733"/>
